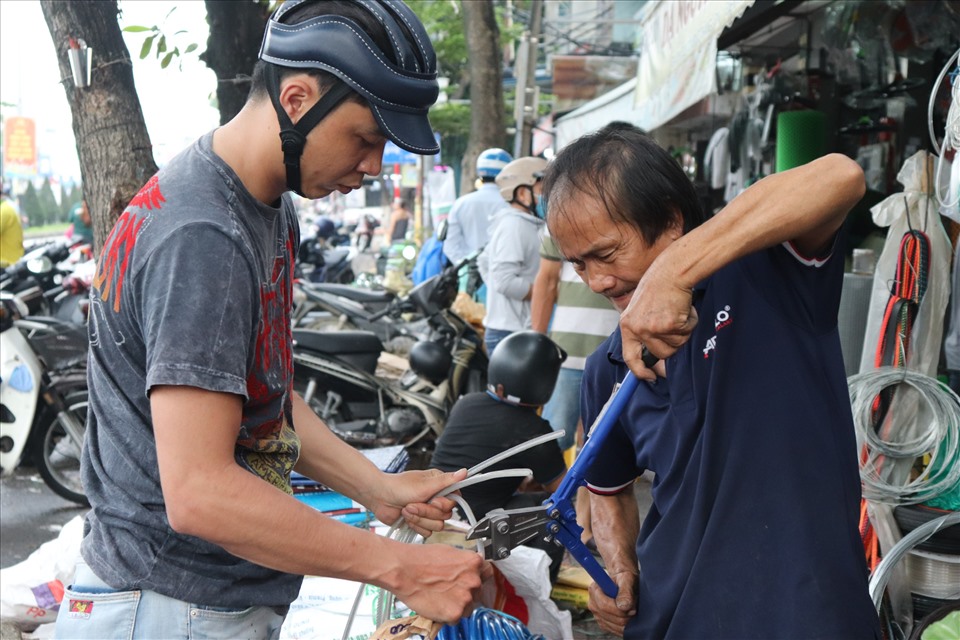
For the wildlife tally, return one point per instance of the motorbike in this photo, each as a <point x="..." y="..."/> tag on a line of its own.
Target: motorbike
<point x="338" y="375"/>
<point x="53" y="280"/>
<point x="364" y="231"/>
<point x="43" y="395"/>
<point x="336" y="307"/>
<point x="326" y="256"/>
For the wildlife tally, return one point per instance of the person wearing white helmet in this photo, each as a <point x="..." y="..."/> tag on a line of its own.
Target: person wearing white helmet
<point x="471" y="215"/>
<point x="510" y="262"/>
<point x="193" y="427"/>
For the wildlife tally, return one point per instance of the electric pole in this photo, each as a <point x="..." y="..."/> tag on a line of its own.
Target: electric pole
<point x="525" y="71"/>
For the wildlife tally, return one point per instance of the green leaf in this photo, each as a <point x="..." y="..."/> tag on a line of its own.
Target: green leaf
<point x="147" y="43"/>
<point x="166" y="60"/>
<point x="191" y="47"/>
<point x="136" y="28"/>
<point x="161" y="45"/>
<point x="947" y="628"/>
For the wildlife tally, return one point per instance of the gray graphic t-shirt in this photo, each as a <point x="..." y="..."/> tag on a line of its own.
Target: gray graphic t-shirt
<point x="193" y="288"/>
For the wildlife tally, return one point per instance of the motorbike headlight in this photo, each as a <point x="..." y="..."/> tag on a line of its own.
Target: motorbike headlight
<point x="409" y="252"/>
<point x="40" y="264"/>
<point x="12" y="308"/>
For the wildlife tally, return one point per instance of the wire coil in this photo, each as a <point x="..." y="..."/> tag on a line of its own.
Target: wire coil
<point x="934" y="575"/>
<point x="940" y="438"/>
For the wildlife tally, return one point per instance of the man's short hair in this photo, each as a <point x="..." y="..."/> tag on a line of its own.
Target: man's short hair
<point x="636" y="180"/>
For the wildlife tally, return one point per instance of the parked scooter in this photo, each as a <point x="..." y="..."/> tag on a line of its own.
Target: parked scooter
<point x="326" y="255"/>
<point x="398" y="321"/>
<point x="337" y="372"/>
<point x="43" y="396"/>
<point x="53" y="280"/>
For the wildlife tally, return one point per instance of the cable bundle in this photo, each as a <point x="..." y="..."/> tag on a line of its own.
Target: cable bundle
<point x="881" y="576"/>
<point x="487" y="624"/>
<point x="913" y="264"/>
<point x="951" y="134"/>
<point x="940" y="437"/>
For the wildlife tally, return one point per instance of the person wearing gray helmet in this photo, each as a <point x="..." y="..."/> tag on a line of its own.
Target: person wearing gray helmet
<point x="193" y="426"/>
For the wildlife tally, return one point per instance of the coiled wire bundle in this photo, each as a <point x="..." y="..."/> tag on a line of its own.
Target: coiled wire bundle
<point x="951" y="134"/>
<point x="906" y="438"/>
<point x="487" y="624"/>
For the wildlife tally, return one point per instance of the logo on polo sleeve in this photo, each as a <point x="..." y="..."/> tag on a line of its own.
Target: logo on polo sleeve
<point x="722" y="320"/>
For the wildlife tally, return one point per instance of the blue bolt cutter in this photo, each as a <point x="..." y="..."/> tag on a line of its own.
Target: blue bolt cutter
<point x="502" y="530"/>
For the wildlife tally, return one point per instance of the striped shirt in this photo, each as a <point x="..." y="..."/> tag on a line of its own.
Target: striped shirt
<point x="582" y="319"/>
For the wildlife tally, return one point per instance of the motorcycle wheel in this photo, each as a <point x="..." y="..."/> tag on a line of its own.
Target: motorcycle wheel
<point x="56" y="455"/>
<point x="346" y="277"/>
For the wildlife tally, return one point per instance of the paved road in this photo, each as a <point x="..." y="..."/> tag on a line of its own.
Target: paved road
<point x="31" y="515"/>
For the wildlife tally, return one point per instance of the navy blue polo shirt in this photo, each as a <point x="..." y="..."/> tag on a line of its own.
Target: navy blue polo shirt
<point x="753" y="531"/>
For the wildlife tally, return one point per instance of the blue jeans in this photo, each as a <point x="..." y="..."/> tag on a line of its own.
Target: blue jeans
<point x="93" y="609"/>
<point x="492" y="337"/>
<point x="563" y="409"/>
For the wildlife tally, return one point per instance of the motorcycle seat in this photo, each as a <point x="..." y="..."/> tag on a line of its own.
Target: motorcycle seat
<point x="360" y="348"/>
<point x="347" y="291"/>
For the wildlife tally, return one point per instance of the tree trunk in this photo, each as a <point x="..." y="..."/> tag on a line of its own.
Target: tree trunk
<point x="486" y="85"/>
<point x="236" y="30"/>
<point x="116" y="157"/>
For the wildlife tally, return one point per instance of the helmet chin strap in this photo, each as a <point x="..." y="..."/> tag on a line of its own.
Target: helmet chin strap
<point x="293" y="137"/>
<point x="531" y="208"/>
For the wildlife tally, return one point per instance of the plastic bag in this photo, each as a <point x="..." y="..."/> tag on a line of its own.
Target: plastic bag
<point x="31" y="591"/>
<point x="914" y="208"/>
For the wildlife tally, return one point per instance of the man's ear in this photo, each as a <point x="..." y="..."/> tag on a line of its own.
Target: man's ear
<point x="298" y="93"/>
<point x="676" y="229"/>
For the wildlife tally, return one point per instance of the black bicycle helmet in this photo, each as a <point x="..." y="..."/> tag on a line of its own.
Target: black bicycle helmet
<point x="399" y="94"/>
<point x="524" y="368"/>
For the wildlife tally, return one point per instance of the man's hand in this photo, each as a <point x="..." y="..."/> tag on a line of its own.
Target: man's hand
<point x="440" y="582"/>
<point x="411" y="495"/>
<point x="613" y="614"/>
<point x="660" y="317"/>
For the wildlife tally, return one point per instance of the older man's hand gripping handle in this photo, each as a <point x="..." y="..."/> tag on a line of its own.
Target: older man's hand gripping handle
<point x="575" y="477"/>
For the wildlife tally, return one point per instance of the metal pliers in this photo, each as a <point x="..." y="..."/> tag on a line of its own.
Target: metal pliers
<point x="502" y="530"/>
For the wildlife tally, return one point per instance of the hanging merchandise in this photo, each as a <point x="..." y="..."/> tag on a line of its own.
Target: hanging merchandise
<point x="947" y="180"/>
<point x="801" y="138"/>
<point x="716" y="159"/>
<point x="905" y="320"/>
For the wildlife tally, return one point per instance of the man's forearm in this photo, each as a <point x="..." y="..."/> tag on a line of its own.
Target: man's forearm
<point x="805" y="205"/>
<point x="615" y="521"/>
<point x="544" y="294"/>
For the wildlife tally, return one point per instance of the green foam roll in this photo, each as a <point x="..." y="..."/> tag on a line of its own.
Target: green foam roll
<point x="801" y="137"/>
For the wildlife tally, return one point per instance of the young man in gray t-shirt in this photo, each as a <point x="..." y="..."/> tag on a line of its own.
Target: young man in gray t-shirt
<point x="194" y="427"/>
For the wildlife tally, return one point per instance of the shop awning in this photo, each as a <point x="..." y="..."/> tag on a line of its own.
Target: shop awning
<point x="677" y="67"/>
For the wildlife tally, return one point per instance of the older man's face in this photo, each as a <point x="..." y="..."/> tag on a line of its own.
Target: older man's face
<point x="610" y="256"/>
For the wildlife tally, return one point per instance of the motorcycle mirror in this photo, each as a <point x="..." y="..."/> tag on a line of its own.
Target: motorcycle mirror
<point x="40" y="264"/>
<point x="442" y="229"/>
